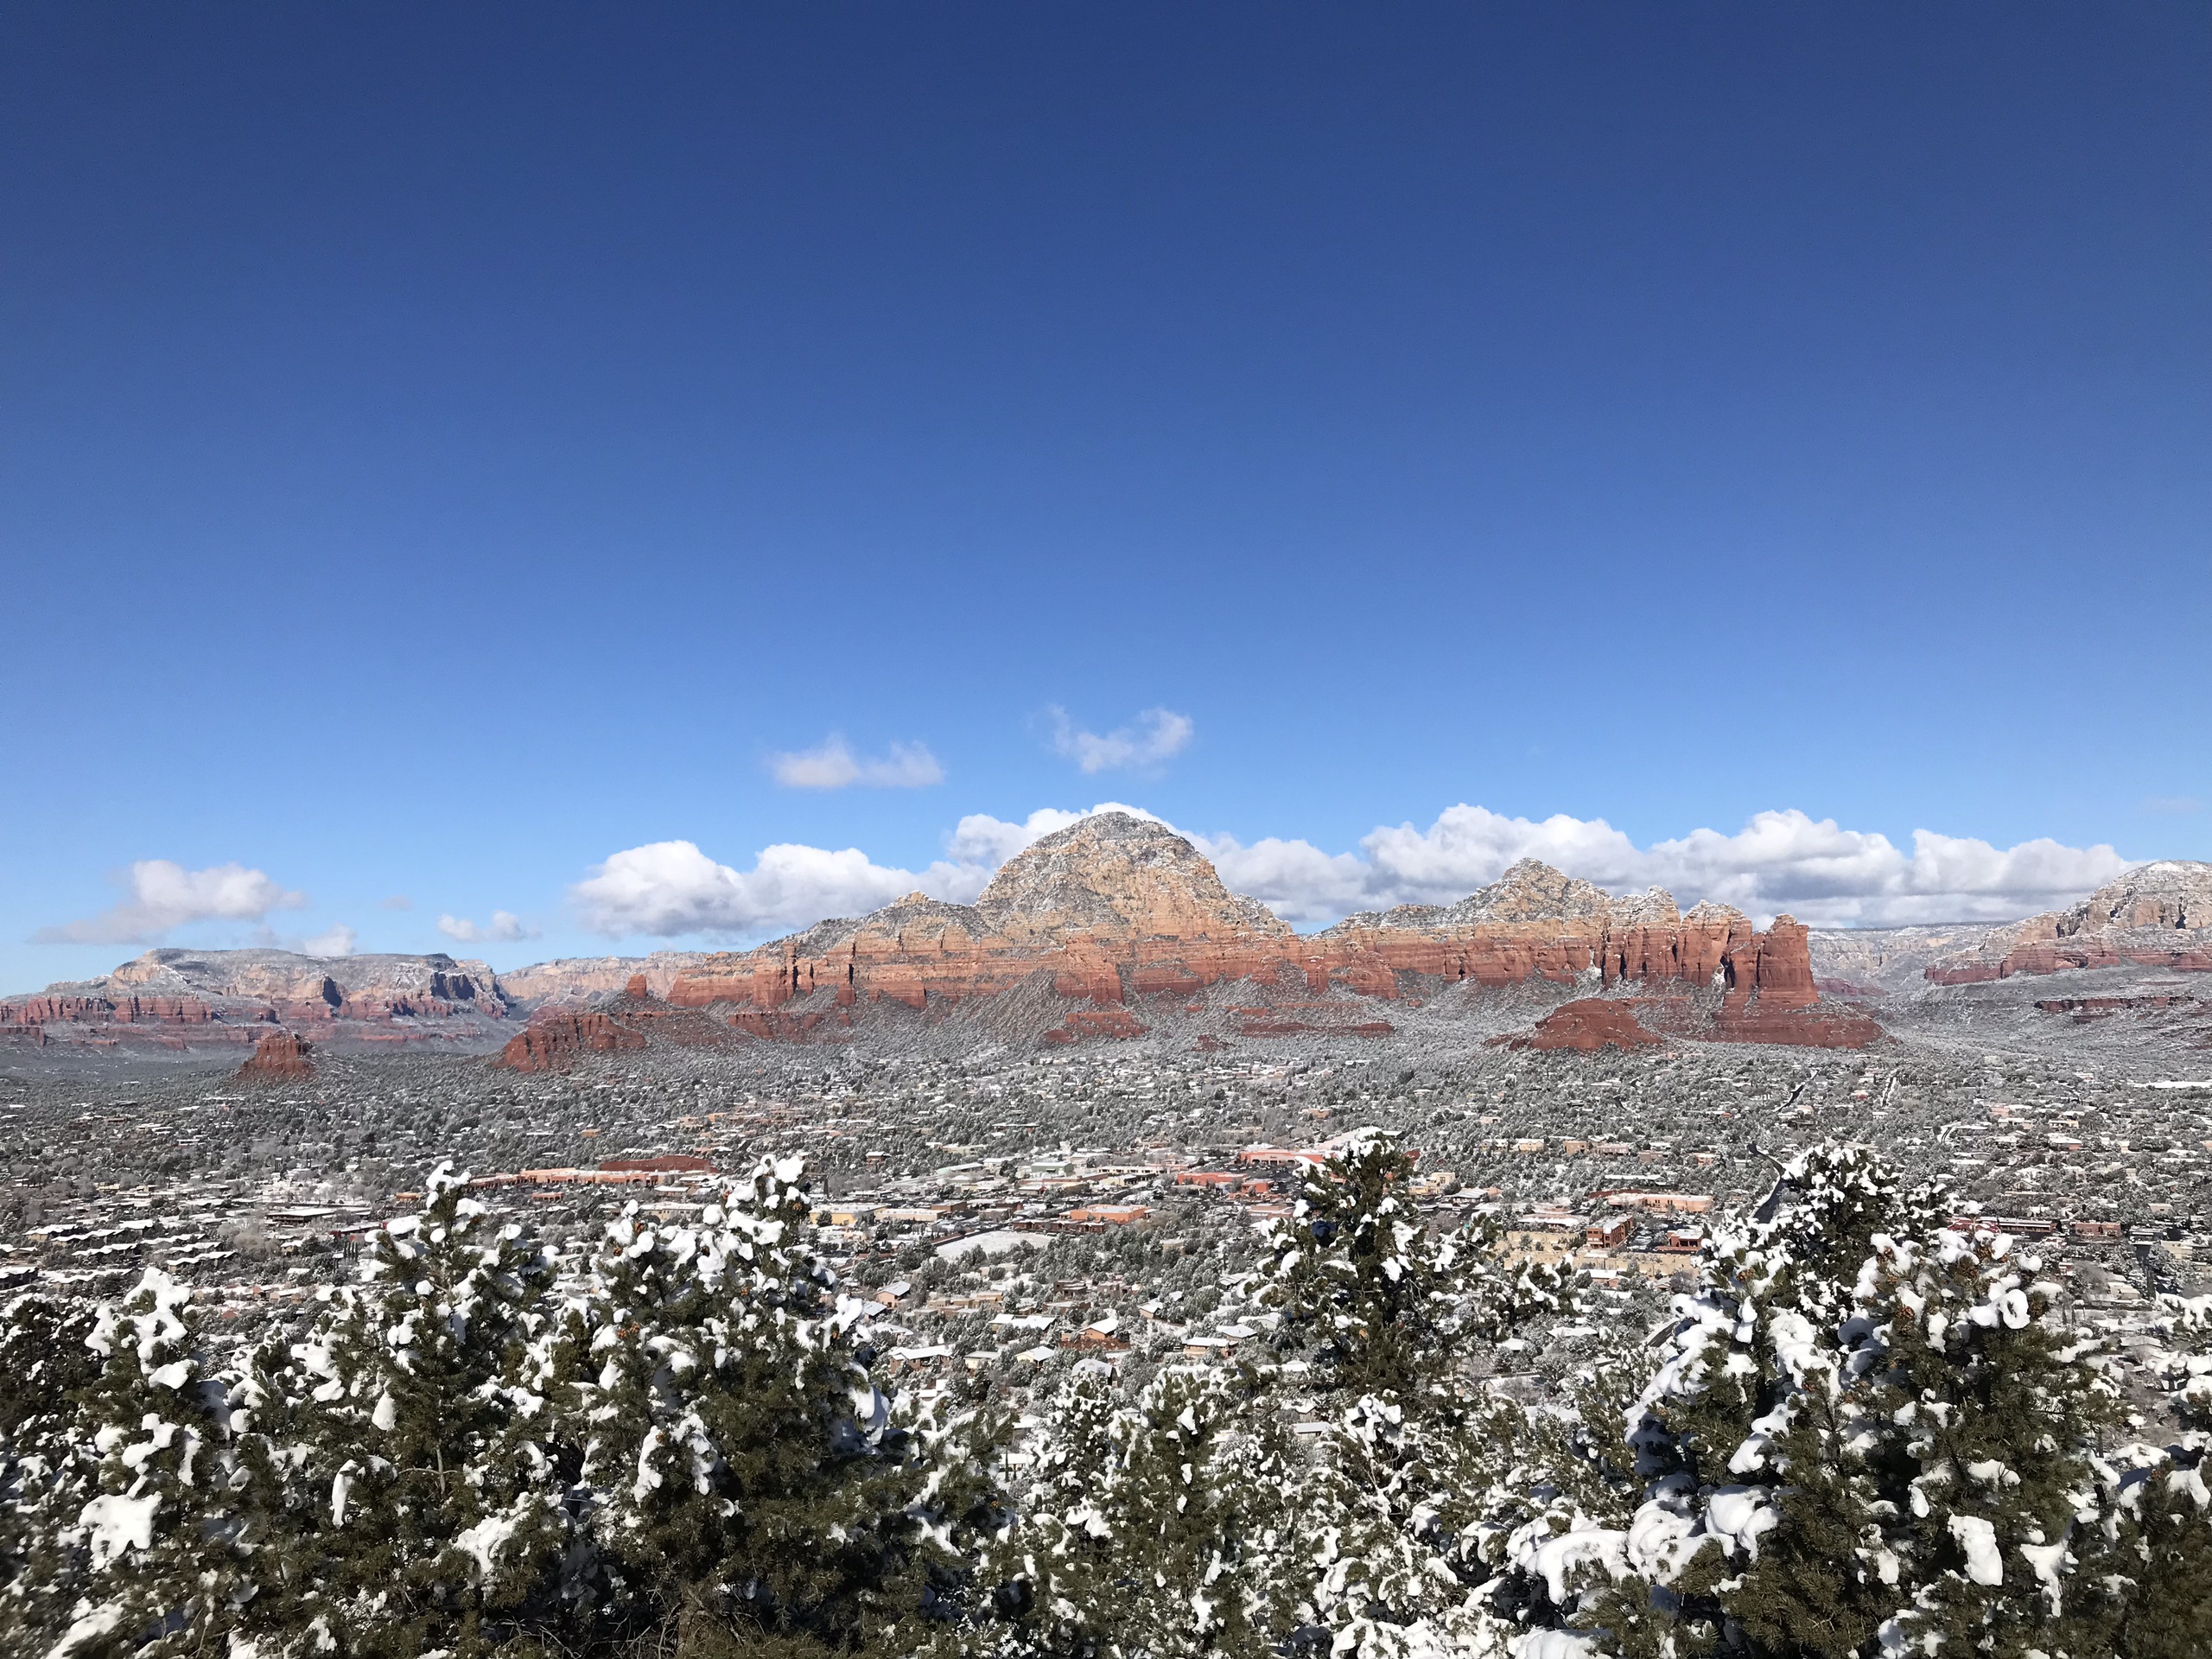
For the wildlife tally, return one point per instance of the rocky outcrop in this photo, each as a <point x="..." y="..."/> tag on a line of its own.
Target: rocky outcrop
<point x="558" y="1037"/>
<point x="1586" y="1025"/>
<point x="2155" y="916"/>
<point x="1115" y="909"/>
<point x="280" y="1057"/>
<point x="557" y="1042"/>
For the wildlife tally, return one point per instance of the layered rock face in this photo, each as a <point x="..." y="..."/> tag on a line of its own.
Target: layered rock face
<point x="2156" y="916"/>
<point x="1535" y="922"/>
<point x="213" y="996"/>
<point x="578" y="979"/>
<point x="557" y="1042"/>
<point x="1115" y="909"/>
<point x="1886" y="961"/>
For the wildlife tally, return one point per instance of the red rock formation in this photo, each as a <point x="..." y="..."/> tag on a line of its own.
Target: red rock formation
<point x="280" y="1057"/>
<point x="1827" y="1026"/>
<point x="1095" y="1022"/>
<point x="1586" y="1026"/>
<point x="557" y="1042"/>
<point x="1116" y="909"/>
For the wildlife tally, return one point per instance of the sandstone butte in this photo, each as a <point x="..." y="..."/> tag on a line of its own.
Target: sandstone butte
<point x="555" y="1042"/>
<point x="2157" y="915"/>
<point x="1116" y="909"/>
<point x="280" y="1057"/>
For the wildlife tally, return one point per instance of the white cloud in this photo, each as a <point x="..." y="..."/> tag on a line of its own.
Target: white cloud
<point x="504" y="925"/>
<point x="166" y="895"/>
<point x="338" y="940"/>
<point x="670" y="887"/>
<point x="1157" y="734"/>
<point x="833" y="766"/>
<point x="1300" y="883"/>
<point x="397" y="901"/>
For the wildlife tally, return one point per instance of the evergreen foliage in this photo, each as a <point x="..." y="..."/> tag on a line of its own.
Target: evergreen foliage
<point x="1162" y="1528"/>
<point x="45" y="1360"/>
<point x="754" y="1490"/>
<point x="1865" y="1433"/>
<point x="402" y="1466"/>
<point x="137" y="1501"/>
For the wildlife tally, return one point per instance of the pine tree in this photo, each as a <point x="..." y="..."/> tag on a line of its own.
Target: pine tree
<point x="141" y="1506"/>
<point x="1990" y="1413"/>
<point x="1164" y="1527"/>
<point x="2149" y="1563"/>
<point x="404" y="1467"/>
<point x="752" y="1488"/>
<point x="46" y="1362"/>
<point x="1844" y="1450"/>
<point x="1375" y="1300"/>
<point x="1409" y="1471"/>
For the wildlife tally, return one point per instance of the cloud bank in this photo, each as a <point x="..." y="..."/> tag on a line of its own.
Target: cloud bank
<point x="1813" y="868"/>
<point x="1783" y="861"/>
<point x="504" y="925"/>
<point x="833" y="766"/>
<point x="1157" y="734"/>
<point x="164" y="896"/>
<point x="670" y="888"/>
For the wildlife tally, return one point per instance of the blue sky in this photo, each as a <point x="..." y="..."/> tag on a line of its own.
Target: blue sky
<point x="450" y="454"/>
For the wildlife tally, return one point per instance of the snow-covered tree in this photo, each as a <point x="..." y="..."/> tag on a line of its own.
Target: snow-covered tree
<point x="1165" y="1526"/>
<point x="46" y="1361"/>
<point x="1409" y="1458"/>
<point x="2149" y="1574"/>
<point x="1373" y="1299"/>
<point x="1857" y="1439"/>
<point x="138" y="1501"/>
<point x="403" y="1462"/>
<point x="750" y="1483"/>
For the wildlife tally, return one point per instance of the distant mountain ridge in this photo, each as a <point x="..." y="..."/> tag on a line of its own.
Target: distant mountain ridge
<point x="1116" y="909"/>
<point x="2157" y="915"/>
<point x="1114" y="912"/>
<point x="174" y="996"/>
